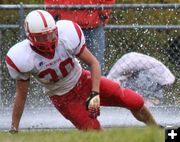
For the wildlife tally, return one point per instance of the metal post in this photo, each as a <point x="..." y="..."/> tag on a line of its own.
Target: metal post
<point x="0" y="69"/>
<point x="21" y="22"/>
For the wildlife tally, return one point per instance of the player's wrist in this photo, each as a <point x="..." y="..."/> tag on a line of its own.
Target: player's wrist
<point x="91" y="96"/>
<point x="94" y="93"/>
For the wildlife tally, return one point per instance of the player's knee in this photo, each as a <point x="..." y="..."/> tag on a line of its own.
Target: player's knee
<point x="132" y="100"/>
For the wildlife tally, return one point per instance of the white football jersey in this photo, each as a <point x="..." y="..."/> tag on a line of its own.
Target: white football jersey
<point x="133" y="62"/>
<point x="143" y="74"/>
<point x="59" y="73"/>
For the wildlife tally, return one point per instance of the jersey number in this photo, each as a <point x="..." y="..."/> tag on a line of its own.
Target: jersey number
<point x="62" y="68"/>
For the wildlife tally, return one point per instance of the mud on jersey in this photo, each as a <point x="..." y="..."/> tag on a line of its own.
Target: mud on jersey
<point x="59" y="73"/>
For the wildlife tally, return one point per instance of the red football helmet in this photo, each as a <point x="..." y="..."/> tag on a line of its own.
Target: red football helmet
<point x="41" y="30"/>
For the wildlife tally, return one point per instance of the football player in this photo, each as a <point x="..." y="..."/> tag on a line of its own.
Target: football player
<point x="144" y="74"/>
<point x="51" y="54"/>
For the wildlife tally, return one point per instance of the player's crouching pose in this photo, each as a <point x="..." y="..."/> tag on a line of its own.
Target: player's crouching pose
<point x="50" y="54"/>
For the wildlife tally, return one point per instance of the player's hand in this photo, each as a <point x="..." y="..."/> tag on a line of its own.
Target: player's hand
<point x="93" y="104"/>
<point x="13" y="131"/>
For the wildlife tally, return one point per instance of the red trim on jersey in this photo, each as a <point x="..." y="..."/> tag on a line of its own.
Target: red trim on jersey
<point x="78" y="30"/>
<point x="10" y="62"/>
<point x="43" y="18"/>
<point x="81" y="50"/>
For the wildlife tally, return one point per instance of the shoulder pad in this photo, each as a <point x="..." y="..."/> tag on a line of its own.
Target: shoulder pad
<point x="20" y="56"/>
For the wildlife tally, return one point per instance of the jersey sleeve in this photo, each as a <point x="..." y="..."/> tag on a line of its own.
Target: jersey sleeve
<point x="81" y="45"/>
<point x="73" y="36"/>
<point x="18" y="63"/>
<point x="123" y="68"/>
<point x="14" y="72"/>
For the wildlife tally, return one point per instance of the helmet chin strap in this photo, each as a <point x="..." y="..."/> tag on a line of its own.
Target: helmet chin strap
<point x="49" y="50"/>
<point x="44" y="48"/>
<point x="49" y="53"/>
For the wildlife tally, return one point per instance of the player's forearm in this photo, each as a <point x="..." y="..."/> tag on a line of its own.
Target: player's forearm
<point x="93" y="101"/>
<point x="19" y="102"/>
<point x="96" y="75"/>
<point x="17" y="111"/>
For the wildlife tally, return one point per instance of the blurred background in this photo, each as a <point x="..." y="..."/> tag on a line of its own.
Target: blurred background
<point x="154" y="42"/>
<point x="163" y="44"/>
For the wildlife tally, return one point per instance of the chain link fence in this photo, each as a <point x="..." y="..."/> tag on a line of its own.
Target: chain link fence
<point x="151" y="29"/>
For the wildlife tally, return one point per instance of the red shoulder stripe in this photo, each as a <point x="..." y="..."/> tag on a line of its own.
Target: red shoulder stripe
<point x="78" y="30"/>
<point x="11" y="63"/>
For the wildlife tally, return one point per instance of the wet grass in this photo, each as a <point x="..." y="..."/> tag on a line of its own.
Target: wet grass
<point x="108" y="135"/>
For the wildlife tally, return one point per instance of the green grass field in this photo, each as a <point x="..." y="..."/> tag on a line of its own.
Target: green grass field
<point x="73" y="135"/>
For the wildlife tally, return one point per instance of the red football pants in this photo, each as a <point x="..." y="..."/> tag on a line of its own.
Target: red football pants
<point x="72" y="104"/>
